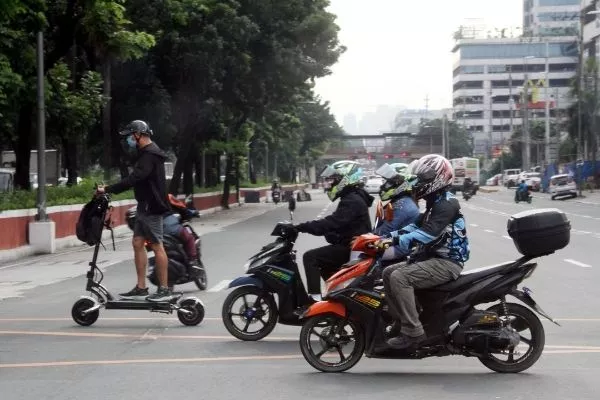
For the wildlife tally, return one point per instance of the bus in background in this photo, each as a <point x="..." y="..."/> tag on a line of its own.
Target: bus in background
<point x="465" y="167"/>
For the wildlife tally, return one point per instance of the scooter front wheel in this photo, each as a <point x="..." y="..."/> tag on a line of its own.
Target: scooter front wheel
<point x="84" y="319"/>
<point x="249" y="306"/>
<point x="193" y="312"/>
<point x="331" y="343"/>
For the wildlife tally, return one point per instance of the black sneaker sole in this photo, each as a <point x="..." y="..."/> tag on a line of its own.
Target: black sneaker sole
<point x="161" y="299"/>
<point x="135" y="297"/>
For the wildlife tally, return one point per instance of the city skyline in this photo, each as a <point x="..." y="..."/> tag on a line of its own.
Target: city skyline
<point x="373" y="72"/>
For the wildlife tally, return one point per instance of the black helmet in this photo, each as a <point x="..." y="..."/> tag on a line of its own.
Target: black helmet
<point x="137" y="126"/>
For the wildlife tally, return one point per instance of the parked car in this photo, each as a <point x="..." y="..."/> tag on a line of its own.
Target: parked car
<point x="533" y="180"/>
<point x="373" y="184"/>
<point x="494" y="180"/>
<point x="562" y="185"/>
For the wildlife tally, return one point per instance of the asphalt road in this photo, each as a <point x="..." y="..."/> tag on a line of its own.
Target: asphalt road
<point x="127" y="355"/>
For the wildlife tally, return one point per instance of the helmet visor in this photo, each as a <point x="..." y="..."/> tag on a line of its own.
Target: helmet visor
<point x="386" y="171"/>
<point x="328" y="172"/>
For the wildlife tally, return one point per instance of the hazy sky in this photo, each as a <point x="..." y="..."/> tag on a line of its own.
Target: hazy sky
<point x="399" y="51"/>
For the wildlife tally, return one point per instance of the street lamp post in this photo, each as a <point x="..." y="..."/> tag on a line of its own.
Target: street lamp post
<point x="580" y="155"/>
<point x="526" y="148"/>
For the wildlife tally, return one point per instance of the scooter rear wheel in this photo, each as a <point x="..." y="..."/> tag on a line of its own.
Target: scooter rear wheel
<point x="249" y="312"/>
<point x="332" y="339"/>
<point x="84" y="319"/>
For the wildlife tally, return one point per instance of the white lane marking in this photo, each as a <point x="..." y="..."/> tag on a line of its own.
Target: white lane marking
<point x="474" y="225"/>
<point x="488" y="230"/>
<point x="219" y="286"/>
<point x="579" y="264"/>
<point x="506" y="237"/>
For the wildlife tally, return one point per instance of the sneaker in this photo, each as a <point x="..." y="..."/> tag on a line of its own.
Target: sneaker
<point x="404" y="342"/>
<point x="135" y="294"/>
<point x="161" y="294"/>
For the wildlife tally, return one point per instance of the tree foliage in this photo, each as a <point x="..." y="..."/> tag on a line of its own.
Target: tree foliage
<point x="218" y="80"/>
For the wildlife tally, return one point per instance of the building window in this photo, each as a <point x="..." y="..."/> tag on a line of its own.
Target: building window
<point x="472" y="69"/>
<point x="571" y="67"/>
<point x="560" y="82"/>
<point x="468" y="100"/>
<point x="559" y="30"/>
<point x="558" y="16"/>
<point x="468" y="85"/>
<point x="506" y="84"/>
<point x="517" y="50"/>
<point x="543" y="3"/>
<point x="501" y="114"/>
<point x="497" y="69"/>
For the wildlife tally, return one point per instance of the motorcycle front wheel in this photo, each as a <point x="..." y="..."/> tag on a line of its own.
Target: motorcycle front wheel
<point x="251" y="307"/>
<point x="331" y="343"/>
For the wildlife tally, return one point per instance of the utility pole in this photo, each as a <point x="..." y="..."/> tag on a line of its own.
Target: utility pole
<point x="490" y="125"/>
<point x="426" y="106"/>
<point x="41" y="128"/>
<point x="547" y="96"/>
<point x="526" y="149"/>
<point x="444" y="142"/>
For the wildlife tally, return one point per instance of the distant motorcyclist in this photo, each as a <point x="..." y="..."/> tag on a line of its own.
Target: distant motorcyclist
<point x="401" y="210"/>
<point x="441" y="243"/>
<point x="351" y="218"/>
<point x="468" y="186"/>
<point x="275" y="185"/>
<point x="522" y="191"/>
<point x="172" y="226"/>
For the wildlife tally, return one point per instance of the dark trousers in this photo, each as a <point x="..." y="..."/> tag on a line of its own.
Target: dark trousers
<point x="400" y="281"/>
<point x="323" y="262"/>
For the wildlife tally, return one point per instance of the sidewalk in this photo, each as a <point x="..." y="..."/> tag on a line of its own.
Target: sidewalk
<point x="209" y="222"/>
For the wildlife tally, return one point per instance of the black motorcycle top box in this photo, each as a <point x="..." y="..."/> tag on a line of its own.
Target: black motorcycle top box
<point x="539" y="232"/>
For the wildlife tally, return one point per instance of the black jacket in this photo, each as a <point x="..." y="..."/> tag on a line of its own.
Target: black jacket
<point x="148" y="181"/>
<point x="351" y="218"/>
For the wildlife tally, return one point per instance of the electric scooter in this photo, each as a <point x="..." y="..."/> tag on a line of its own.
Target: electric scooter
<point x="86" y="310"/>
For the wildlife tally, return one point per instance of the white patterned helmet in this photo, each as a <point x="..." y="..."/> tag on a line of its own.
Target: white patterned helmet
<point x="340" y="175"/>
<point x="434" y="173"/>
<point x="397" y="181"/>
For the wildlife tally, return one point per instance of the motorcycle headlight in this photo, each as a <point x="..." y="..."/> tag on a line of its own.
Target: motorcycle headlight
<point x="254" y="263"/>
<point x="340" y="286"/>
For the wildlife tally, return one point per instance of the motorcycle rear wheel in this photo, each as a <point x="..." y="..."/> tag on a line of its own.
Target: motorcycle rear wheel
<point x="332" y="336"/>
<point x="526" y="320"/>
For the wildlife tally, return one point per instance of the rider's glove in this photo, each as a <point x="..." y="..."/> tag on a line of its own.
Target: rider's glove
<point x="384" y="243"/>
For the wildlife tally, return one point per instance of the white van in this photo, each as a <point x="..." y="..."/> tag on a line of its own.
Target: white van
<point x="511" y="177"/>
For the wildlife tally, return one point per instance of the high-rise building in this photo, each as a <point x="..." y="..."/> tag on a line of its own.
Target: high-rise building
<point x="551" y="17"/>
<point x="489" y="76"/>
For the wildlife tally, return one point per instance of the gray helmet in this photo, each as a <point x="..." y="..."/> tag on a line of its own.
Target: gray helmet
<point x="137" y="126"/>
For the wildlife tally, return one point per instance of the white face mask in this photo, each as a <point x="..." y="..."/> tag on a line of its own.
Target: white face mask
<point x="131" y="141"/>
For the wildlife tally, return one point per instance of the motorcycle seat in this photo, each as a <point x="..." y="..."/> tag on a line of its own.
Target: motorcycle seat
<point x="471" y="276"/>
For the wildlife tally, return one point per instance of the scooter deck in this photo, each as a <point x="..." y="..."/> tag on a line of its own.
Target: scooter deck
<point x="127" y="304"/>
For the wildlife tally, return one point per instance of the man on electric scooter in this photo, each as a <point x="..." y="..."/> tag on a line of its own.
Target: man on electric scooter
<point x="351" y="218"/>
<point x="441" y="250"/>
<point x="149" y="187"/>
<point x="401" y="210"/>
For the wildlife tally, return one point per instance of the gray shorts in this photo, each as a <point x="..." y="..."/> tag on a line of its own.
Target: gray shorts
<point x="149" y="226"/>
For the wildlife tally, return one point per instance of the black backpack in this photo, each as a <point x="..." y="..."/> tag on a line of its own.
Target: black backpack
<point x="91" y="221"/>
